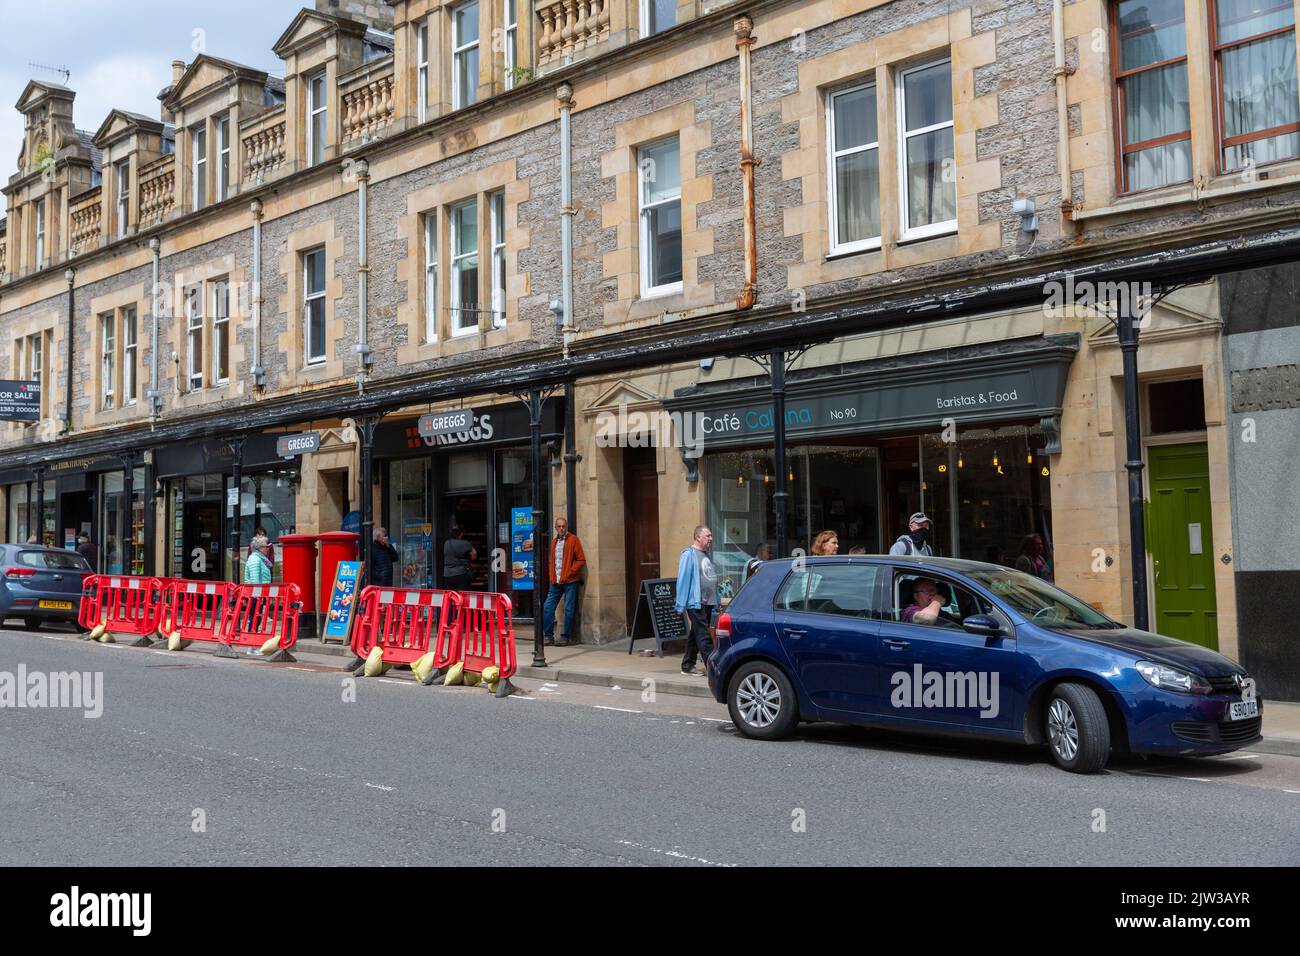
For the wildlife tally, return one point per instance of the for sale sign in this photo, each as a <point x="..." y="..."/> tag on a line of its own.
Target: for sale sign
<point x="20" y="401"/>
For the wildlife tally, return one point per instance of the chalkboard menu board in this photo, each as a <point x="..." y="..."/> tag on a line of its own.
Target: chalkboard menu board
<point x="656" y="615"/>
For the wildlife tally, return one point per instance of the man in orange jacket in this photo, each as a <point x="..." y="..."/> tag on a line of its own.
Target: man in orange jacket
<point x="564" y="571"/>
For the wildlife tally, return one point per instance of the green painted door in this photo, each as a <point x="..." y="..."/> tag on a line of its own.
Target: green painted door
<point x="1180" y="542"/>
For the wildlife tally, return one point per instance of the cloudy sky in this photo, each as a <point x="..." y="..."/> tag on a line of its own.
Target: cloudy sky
<point x="120" y="51"/>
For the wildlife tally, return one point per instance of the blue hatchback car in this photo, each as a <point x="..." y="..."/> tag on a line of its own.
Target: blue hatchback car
<point x="960" y="647"/>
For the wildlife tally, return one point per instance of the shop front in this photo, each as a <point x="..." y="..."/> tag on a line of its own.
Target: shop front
<point x="478" y="480"/>
<point x="965" y="437"/>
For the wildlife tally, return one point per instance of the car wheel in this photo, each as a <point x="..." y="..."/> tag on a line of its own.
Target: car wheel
<point x="1078" y="733"/>
<point x="762" y="702"/>
<point x="32" y="623"/>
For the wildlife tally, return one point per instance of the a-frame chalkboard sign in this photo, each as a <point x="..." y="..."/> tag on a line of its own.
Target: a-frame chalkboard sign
<point x="656" y="616"/>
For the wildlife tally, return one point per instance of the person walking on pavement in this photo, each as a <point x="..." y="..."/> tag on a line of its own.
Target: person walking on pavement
<point x="382" y="558"/>
<point x="697" y="595"/>
<point x="257" y="566"/>
<point x="88" y="551"/>
<point x="564" y="571"/>
<point x="457" y="553"/>
<point x="915" y="542"/>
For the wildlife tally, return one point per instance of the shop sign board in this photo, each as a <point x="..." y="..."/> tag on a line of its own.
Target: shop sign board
<point x="446" y="423"/>
<point x="302" y="443"/>
<point x="338" y="621"/>
<point x="521" y="549"/>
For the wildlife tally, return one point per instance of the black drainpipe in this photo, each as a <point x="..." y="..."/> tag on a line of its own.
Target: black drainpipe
<point x="71" y="276"/>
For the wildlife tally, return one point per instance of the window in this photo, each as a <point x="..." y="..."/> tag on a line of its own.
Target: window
<point x="1259" y="104"/>
<point x="431" y="276"/>
<point x="926" y="150"/>
<point x="129" y="350"/>
<point x="313" y="306"/>
<point x="657" y="16"/>
<point x="497" y="215"/>
<point x="422" y="71"/>
<point x="223" y="158"/>
<point x="855" y="169"/>
<point x="793" y="592"/>
<point x="1153" y="106"/>
<point x="108" y="360"/>
<point x="464" y="55"/>
<point x="843" y="590"/>
<point x="661" y="217"/>
<point x="511" y="41"/>
<point x="31" y="354"/>
<point x="123" y="196"/>
<point x="958" y="603"/>
<point x="194" y="336"/>
<point x="464" y="267"/>
<point x="40" y="233"/>
<point x="200" y="168"/>
<point x="316" y="116"/>
<point x="221" y="331"/>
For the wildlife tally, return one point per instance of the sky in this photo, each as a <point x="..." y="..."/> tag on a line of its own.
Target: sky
<point x="120" y="51"/>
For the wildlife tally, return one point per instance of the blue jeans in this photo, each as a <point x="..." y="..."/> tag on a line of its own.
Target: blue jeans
<point x="570" y="592"/>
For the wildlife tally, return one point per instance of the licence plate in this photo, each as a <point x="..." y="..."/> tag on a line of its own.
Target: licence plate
<point x="1243" y="709"/>
<point x="55" y="605"/>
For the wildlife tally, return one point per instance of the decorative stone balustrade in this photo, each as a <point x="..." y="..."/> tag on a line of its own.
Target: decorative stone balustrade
<point x="566" y="26"/>
<point x="368" y="106"/>
<point x="264" y="146"/>
<point x="157" y="190"/>
<point x="86" y="219"/>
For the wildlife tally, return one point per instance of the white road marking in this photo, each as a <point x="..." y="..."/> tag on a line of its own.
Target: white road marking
<point x="1284" y="790"/>
<point x="621" y="710"/>
<point x="674" y="853"/>
<point x="389" y="680"/>
<point x="379" y="787"/>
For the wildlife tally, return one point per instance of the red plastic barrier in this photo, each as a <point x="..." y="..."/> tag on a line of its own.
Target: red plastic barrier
<point x="195" y="608"/>
<point x="485" y="632"/>
<point x="123" y="603"/>
<point x="407" y="623"/>
<point x="259" y="612"/>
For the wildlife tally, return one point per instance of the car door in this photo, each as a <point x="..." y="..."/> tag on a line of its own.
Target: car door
<point x="827" y="622"/>
<point x="943" y="674"/>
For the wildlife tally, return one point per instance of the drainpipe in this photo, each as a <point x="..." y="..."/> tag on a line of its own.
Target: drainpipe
<point x="154" y="395"/>
<point x="363" y="272"/>
<point x="743" y="28"/>
<point x="565" y="95"/>
<point x="71" y="275"/>
<point x="1062" y="116"/>
<point x="259" y="373"/>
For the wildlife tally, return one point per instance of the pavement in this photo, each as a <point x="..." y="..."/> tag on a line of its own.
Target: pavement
<point x="199" y="760"/>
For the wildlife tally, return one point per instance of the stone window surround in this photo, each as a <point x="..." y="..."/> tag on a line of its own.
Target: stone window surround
<point x="46" y="324"/>
<point x="436" y="15"/>
<point x="115" y="303"/>
<point x="884" y="57"/>
<point x="292" y="342"/>
<point x="205" y="276"/>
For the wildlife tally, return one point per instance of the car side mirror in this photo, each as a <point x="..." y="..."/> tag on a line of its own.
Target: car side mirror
<point x="985" y="625"/>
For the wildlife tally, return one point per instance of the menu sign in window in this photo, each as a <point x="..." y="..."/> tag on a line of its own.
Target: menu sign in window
<point x="521" y="549"/>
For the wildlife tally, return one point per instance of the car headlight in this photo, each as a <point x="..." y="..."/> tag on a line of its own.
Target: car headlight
<point x="1171" y="678"/>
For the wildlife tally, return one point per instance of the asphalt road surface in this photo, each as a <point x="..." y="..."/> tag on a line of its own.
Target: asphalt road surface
<point x="200" y="761"/>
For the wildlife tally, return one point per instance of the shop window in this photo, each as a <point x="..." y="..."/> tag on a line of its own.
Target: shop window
<point x="466" y="472"/>
<point x="118" y="520"/>
<point x="317" y="115"/>
<point x="1174" y="407"/>
<point x="408" y="493"/>
<point x="23" y="520"/>
<point x="464" y="267"/>
<point x="657" y="16"/>
<point x="926" y="150"/>
<point x="464" y="55"/>
<point x="1003" y="497"/>
<point x="1153" y="103"/>
<point x="1258" y="96"/>
<point x="660" y="190"/>
<point x="199" y="139"/>
<point x="497" y="216"/>
<point x="313" y="306"/>
<point x="854" y="178"/>
<point x="268" y="502"/>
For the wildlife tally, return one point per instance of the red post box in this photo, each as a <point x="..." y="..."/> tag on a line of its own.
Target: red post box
<point x="299" y="565"/>
<point x="335" y="546"/>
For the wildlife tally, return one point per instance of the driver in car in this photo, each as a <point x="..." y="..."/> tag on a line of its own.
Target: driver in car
<point x="927" y="606"/>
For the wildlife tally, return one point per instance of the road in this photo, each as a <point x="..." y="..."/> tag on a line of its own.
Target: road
<point x="201" y="761"/>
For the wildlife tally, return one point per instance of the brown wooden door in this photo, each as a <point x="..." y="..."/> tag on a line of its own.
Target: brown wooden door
<point x="640" y="521"/>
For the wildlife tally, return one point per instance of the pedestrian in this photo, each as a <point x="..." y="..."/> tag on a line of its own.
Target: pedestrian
<point x="697" y="595"/>
<point x="383" y="556"/>
<point x="88" y="551"/>
<point x="1033" y="557"/>
<point x="564" y="571"/>
<point x="31" y="538"/>
<point x="764" y="553"/>
<point x="257" y="566"/>
<point x="915" y="542"/>
<point x="457" y="553"/>
<point x="826" y="542"/>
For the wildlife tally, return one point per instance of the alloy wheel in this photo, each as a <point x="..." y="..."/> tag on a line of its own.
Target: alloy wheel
<point x="758" y="698"/>
<point x="1062" y="730"/>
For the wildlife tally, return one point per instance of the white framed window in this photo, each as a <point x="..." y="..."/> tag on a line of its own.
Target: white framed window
<point x="33" y="359"/>
<point x="497" y="226"/>
<point x="927" y="165"/>
<point x="108" y="360"/>
<point x="422" y="70"/>
<point x="464" y="55"/>
<point x="200" y="150"/>
<point x="511" y="20"/>
<point x="854" y="165"/>
<point x="130" y="349"/>
<point x="317" y="114"/>
<point x="194" y="337"/>
<point x="313" y="305"/>
<point x="223" y="158"/>
<point x="464" y="267"/>
<point x="40" y="233"/>
<point x="660" y="192"/>
<point x="657" y="16"/>
<point x="431" y="276"/>
<point x="221" y="331"/>
<point x="123" y="183"/>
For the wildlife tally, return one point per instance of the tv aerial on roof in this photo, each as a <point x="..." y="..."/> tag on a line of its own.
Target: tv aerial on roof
<point x="63" y="71"/>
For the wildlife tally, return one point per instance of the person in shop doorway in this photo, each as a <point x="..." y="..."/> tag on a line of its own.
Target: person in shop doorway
<point x="764" y="553"/>
<point x="917" y="540"/>
<point x="564" y="572"/>
<point x="826" y="542"/>
<point x="697" y="595"/>
<point x="1033" y="558"/>
<point x="457" y="553"/>
<point x="383" y="558"/>
<point x="88" y="551"/>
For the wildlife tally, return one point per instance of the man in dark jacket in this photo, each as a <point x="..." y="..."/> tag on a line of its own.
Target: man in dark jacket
<point x="383" y="556"/>
<point x="88" y="551"/>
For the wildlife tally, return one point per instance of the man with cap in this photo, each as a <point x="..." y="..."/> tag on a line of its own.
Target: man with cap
<point x="915" y="542"/>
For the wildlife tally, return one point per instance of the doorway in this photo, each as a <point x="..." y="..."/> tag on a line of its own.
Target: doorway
<point x="201" y="531"/>
<point x="75" y="511"/>
<point x="470" y="511"/>
<point x="333" y="500"/>
<point x="1180" y="541"/>
<point x="640" y="522"/>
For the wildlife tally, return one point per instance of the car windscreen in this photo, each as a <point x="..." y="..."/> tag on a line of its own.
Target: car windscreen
<point x="1039" y="601"/>
<point x="53" y="560"/>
